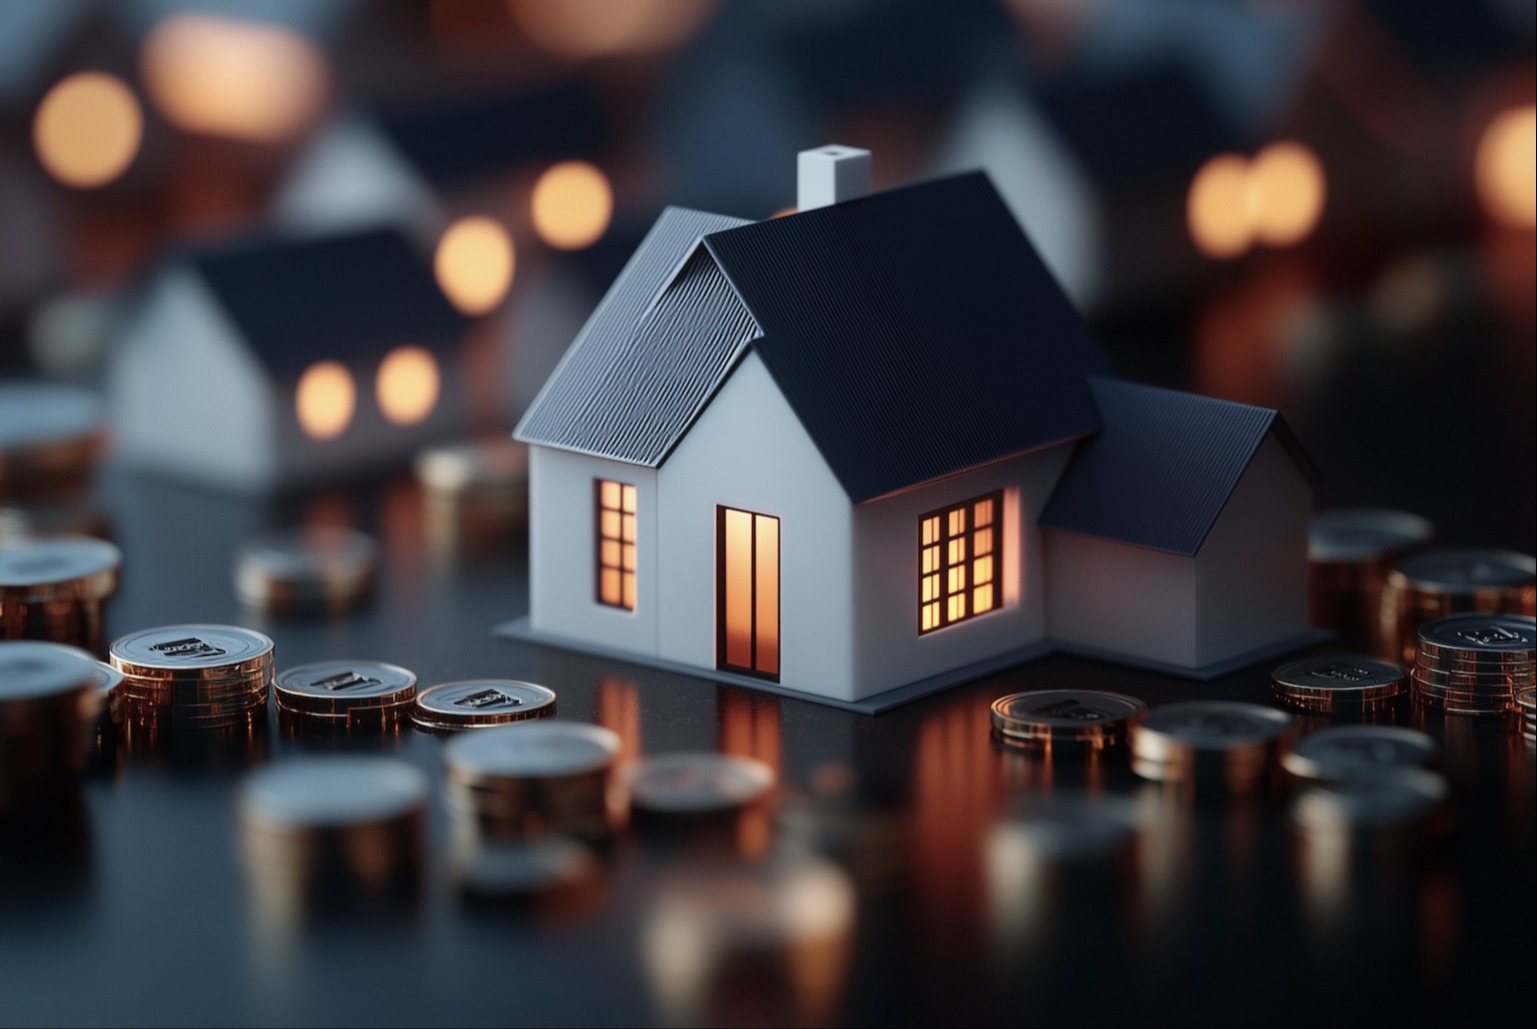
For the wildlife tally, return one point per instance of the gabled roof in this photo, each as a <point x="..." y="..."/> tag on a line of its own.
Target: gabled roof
<point x="1162" y="468"/>
<point x="915" y="333"/>
<point x="296" y="301"/>
<point x="626" y="389"/>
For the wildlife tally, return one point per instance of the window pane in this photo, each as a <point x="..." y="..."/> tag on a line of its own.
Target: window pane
<point x="738" y="588"/>
<point x="957" y="579"/>
<point x="766" y="655"/>
<point x="982" y="512"/>
<point x="982" y="570"/>
<point x="982" y="541"/>
<point x="982" y="599"/>
<point x="608" y="554"/>
<point x="957" y="551"/>
<point x="629" y="590"/>
<point x="628" y="563"/>
<point x="957" y="522"/>
<point x="608" y="494"/>
<point x="608" y="525"/>
<point x="628" y="531"/>
<point x="957" y="607"/>
<point x="629" y="499"/>
<point x="608" y="586"/>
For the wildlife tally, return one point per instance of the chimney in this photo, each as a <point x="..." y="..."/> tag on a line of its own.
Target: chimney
<point x="830" y="175"/>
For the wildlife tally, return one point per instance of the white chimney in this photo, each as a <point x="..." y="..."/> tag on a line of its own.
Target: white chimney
<point x="830" y="175"/>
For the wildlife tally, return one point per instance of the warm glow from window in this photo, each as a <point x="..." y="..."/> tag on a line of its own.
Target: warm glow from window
<point x="1218" y="207"/>
<point x="233" y="78"/>
<point x="325" y="399"/>
<point x="579" y="29"/>
<point x="1285" y="193"/>
<point x="572" y="204"/>
<point x="747" y="592"/>
<point x="407" y="386"/>
<point x="1506" y="168"/>
<point x="88" y="129"/>
<point x="474" y="264"/>
<point x="617" y="540"/>
<point x="959" y="550"/>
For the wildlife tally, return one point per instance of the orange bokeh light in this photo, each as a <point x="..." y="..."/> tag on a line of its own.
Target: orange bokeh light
<point x="232" y="78"/>
<point x="325" y="399"/>
<point x="407" y="386"/>
<point x="474" y="264"/>
<point x="1217" y="208"/>
<point x="572" y="204"/>
<point x="1285" y="194"/>
<point x="581" y="29"/>
<point x="88" y="129"/>
<point x="1506" y="167"/>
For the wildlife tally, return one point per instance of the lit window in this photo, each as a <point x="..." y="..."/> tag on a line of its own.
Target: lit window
<point x="960" y="551"/>
<point x="616" y="544"/>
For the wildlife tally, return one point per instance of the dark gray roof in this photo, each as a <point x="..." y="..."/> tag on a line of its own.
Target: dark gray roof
<point x="638" y="373"/>
<point x="1162" y="468"/>
<point x="915" y="333"/>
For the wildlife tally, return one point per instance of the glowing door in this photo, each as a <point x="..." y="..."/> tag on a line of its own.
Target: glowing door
<point x="747" y="592"/>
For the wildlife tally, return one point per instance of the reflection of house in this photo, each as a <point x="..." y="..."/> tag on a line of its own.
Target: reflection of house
<point x="275" y="360"/>
<point x="871" y="445"/>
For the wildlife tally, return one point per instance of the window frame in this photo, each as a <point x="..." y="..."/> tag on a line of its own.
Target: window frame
<point x="627" y="492"/>
<point x="944" y="571"/>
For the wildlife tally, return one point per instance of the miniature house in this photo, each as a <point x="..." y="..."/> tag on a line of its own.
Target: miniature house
<point x="277" y="361"/>
<point x="869" y="450"/>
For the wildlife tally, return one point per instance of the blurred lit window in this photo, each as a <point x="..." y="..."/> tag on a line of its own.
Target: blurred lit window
<point x="572" y="204"/>
<point x="88" y="129"/>
<point x="325" y="399"/>
<point x="407" y="385"/>
<point x="474" y="264"/>
<point x="616" y="544"/>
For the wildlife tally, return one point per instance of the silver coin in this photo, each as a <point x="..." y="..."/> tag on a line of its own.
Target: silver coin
<point x="105" y="678"/>
<point x="1365" y="534"/>
<point x="319" y="552"/>
<point x="315" y="793"/>
<point x="1217" y="724"/>
<point x="346" y="681"/>
<point x="30" y="669"/>
<point x="697" y="782"/>
<point x="1348" y="751"/>
<point x="1481" y="633"/>
<point x="539" y="750"/>
<point x="34" y="413"/>
<point x="1465" y="570"/>
<point x="172" y="647"/>
<point x="1388" y="800"/>
<point x="1062" y="713"/>
<point x="482" y="702"/>
<point x="59" y="559"/>
<point x="1339" y="673"/>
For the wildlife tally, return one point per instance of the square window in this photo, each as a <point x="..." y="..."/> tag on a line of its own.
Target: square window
<point x="962" y="542"/>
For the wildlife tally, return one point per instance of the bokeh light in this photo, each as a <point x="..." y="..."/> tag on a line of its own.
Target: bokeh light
<point x="572" y="204"/>
<point x="325" y="399"/>
<point x="88" y="129"/>
<point x="1218" y="207"/>
<point x="407" y="386"/>
<point x="1286" y="193"/>
<point x="1506" y="168"/>
<point x="232" y="78"/>
<point x="474" y="264"/>
<point x="582" y="29"/>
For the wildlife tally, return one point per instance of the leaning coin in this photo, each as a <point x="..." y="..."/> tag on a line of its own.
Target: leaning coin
<point x="474" y="703"/>
<point x="1348" y="751"/>
<point x="697" y="783"/>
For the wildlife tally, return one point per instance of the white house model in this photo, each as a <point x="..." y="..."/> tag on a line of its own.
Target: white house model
<point x="869" y="450"/>
<point x="278" y="361"/>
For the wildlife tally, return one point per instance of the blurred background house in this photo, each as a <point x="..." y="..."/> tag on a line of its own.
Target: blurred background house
<point x="1309" y="204"/>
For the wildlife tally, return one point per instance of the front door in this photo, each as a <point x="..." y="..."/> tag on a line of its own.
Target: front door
<point x="747" y="592"/>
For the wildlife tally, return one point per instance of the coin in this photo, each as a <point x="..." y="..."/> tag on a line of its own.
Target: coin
<point x="48" y="710"/>
<point x="339" y="689"/>
<point x="1397" y="799"/>
<point x="1351" y="535"/>
<point x="474" y="703"/>
<point x="1339" y="683"/>
<point x="50" y="437"/>
<point x="1225" y="742"/>
<point x="1444" y="582"/>
<point x="193" y="677"/>
<point x="531" y="750"/>
<point x="60" y="568"/>
<point x="185" y="650"/>
<point x="1347" y="751"/>
<point x="297" y="571"/>
<point x="333" y="791"/>
<point x="520" y="868"/>
<point x="1350" y="552"/>
<point x="697" y="783"/>
<point x="1094" y="719"/>
<point x="107" y="681"/>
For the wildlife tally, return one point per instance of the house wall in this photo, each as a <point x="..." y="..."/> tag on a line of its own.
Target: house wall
<point x="748" y="450"/>
<point x="352" y="176"/>
<point x="562" y="551"/>
<point x="1121" y="598"/>
<point x="889" y="651"/>
<point x="187" y="397"/>
<point x="1252" y="572"/>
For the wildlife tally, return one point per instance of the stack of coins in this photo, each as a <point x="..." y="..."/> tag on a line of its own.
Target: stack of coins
<point x="1526" y="709"/>
<point x="48" y="709"/>
<point x="108" y="682"/>
<point x="322" y="832"/>
<point x="345" y="696"/>
<point x="1352" y="751"/>
<point x="1474" y="664"/>
<point x="1065" y="719"/>
<point x="475" y="492"/>
<point x="1350" y="551"/>
<point x="50" y="438"/>
<point x="480" y="703"/>
<point x="193" y="677"/>
<point x="1443" y="582"/>
<point x="1229" y="747"/>
<point x="55" y="589"/>
<point x="318" y="570"/>
<point x="1339" y="684"/>
<point x="543" y="778"/>
<point x="697" y="783"/>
